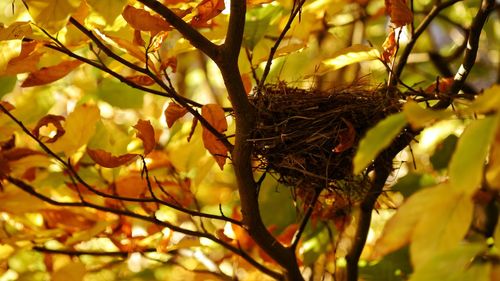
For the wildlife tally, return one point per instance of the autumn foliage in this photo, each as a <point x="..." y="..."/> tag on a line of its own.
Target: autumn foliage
<point x="249" y="140"/>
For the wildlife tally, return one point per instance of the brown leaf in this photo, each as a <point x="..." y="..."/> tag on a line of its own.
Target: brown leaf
<point x="146" y="133"/>
<point x="19" y="153"/>
<point x="206" y="10"/>
<point x="215" y="115"/>
<point x="399" y="12"/>
<point x="50" y="74"/>
<point x="173" y="113"/>
<point x="67" y="220"/>
<point x="142" y="80"/>
<point x="107" y="160"/>
<point x="346" y="138"/>
<point x="443" y="87"/>
<point x="169" y="62"/>
<point x="390" y="47"/>
<point x="46" y="120"/>
<point x="142" y="20"/>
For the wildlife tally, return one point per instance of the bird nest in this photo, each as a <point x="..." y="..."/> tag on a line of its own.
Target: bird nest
<point x="308" y="137"/>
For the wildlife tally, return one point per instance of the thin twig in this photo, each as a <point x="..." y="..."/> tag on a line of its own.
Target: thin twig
<point x="305" y="220"/>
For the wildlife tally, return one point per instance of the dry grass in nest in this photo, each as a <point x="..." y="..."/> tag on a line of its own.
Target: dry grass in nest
<point x="308" y="137"/>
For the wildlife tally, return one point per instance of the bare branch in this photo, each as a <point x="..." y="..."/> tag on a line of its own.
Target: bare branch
<point x="190" y="33"/>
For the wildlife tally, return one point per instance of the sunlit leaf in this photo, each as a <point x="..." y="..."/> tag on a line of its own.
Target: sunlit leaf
<point x="10" y="49"/>
<point x="206" y="10"/>
<point x="390" y="46"/>
<point x="108" y="160"/>
<point x="80" y="126"/>
<point x="442" y="226"/>
<point x="50" y="74"/>
<point x="493" y="169"/>
<point x="88" y="233"/>
<point x="146" y="133"/>
<point x="173" y="113"/>
<point x="350" y="55"/>
<point x="50" y="119"/>
<point x="108" y="9"/>
<point x="419" y="117"/>
<point x="7" y="83"/>
<point x="142" y="20"/>
<point x="460" y="259"/>
<point x="51" y="15"/>
<point x="11" y="198"/>
<point x="74" y="271"/>
<point x="467" y="164"/>
<point x="215" y="115"/>
<point x="257" y="23"/>
<point x="376" y="139"/>
<point x="399" y="229"/>
<point x="487" y="102"/>
<point x="17" y="30"/>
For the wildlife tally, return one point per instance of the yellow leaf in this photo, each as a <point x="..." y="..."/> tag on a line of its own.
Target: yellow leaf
<point x="350" y="55"/>
<point x="215" y="115"/>
<point x="80" y="126"/>
<point x="399" y="229"/>
<point x="419" y="117"/>
<point x="10" y="49"/>
<point x="15" y="201"/>
<point x="108" y="9"/>
<point x="51" y="15"/>
<point x="74" y="271"/>
<point x="493" y="168"/>
<point x="442" y="226"/>
<point x="17" y="30"/>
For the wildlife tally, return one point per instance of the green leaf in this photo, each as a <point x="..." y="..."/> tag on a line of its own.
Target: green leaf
<point x="119" y="94"/>
<point x="467" y="164"/>
<point x="442" y="226"/>
<point x="7" y="84"/>
<point x="419" y="117"/>
<point x="51" y="15"/>
<point x="353" y="54"/>
<point x="377" y="139"/>
<point x="257" y="23"/>
<point x="454" y="265"/>
<point x="108" y="9"/>
<point x="444" y="151"/>
<point x="412" y="183"/>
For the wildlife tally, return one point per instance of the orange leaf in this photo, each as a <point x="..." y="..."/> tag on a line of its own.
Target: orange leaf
<point x="27" y="60"/>
<point x="346" y="138"/>
<point x="169" y="62"/>
<point x="142" y="80"/>
<point x="287" y="235"/>
<point x="193" y="127"/>
<point x="6" y="105"/>
<point x="67" y="220"/>
<point x="207" y="9"/>
<point x="19" y="153"/>
<point x="107" y="160"/>
<point x="215" y="115"/>
<point x="173" y="113"/>
<point x="247" y="82"/>
<point x="146" y="133"/>
<point x="50" y="119"/>
<point x="50" y="74"/>
<point x="138" y="38"/>
<point x="443" y="87"/>
<point x="399" y="12"/>
<point x="142" y="20"/>
<point x="132" y="186"/>
<point x="390" y="47"/>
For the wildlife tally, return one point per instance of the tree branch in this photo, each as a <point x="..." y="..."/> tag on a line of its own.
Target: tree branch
<point x="29" y="189"/>
<point x="199" y="41"/>
<point x="71" y="252"/>
<point x="395" y="75"/>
